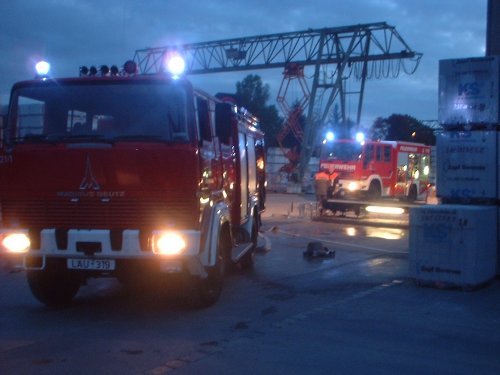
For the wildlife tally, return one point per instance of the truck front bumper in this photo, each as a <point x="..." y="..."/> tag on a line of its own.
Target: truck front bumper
<point x="95" y="251"/>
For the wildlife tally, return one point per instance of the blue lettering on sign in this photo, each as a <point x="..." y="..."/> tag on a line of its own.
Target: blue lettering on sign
<point x="462" y="193"/>
<point x="436" y="232"/>
<point x="469" y="89"/>
<point x="461" y="134"/>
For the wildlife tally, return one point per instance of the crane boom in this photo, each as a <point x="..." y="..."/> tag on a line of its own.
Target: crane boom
<point x="308" y="47"/>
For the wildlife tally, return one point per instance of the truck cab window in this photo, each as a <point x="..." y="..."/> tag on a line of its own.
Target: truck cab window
<point x="387" y="153"/>
<point x="73" y="111"/>
<point x="379" y="153"/>
<point x="30" y="117"/>
<point x="368" y="155"/>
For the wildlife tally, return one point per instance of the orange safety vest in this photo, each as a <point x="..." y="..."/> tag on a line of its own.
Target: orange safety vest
<point x="321" y="176"/>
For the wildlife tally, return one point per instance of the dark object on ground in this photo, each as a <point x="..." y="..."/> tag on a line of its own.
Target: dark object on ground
<point x="316" y="249"/>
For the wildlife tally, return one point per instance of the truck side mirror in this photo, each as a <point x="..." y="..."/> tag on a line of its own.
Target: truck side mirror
<point x="223" y="119"/>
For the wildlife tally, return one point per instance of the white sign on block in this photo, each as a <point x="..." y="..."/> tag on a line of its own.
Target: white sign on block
<point x="468" y="91"/>
<point x="467" y="165"/>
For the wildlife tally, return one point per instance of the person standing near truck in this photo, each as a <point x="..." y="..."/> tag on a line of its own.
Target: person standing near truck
<point x="321" y="185"/>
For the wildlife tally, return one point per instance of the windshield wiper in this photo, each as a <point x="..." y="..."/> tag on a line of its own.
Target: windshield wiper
<point x="80" y="138"/>
<point x="35" y="138"/>
<point x="31" y="138"/>
<point x="140" y="137"/>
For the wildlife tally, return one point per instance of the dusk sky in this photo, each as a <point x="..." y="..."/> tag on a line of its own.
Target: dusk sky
<point x="71" y="33"/>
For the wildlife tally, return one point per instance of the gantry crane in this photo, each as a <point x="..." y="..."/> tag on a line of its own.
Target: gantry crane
<point x="336" y="55"/>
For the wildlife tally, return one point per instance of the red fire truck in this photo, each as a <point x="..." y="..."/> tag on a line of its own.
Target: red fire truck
<point x="134" y="176"/>
<point x="374" y="169"/>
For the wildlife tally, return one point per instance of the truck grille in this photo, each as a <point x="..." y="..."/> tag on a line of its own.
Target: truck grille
<point x="131" y="214"/>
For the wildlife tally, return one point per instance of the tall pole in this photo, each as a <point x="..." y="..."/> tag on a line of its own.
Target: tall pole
<point x="493" y="28"/>
<point x="310" y="128"/>
<point x="363" y="79"/>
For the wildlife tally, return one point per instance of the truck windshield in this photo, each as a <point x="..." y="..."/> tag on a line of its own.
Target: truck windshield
<point x="342" y="151"/>
<point x="110" y="111"/>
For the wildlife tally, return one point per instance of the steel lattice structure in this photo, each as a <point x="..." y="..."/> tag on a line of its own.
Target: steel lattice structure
<point x="336" y="54"/>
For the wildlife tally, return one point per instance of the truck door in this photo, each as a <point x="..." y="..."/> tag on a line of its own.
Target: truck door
<point x="368" y="157"/>
<point x="209" y="155"/>
<point x="383" y="164"/>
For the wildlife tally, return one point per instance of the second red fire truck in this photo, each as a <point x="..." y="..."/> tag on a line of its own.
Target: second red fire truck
<point x="115" y="173"/>
<point x="375" y="169"/>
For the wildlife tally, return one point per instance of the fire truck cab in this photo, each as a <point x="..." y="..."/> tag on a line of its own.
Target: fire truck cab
<point x="375" y="169"/>
<point x="116" y="173"/>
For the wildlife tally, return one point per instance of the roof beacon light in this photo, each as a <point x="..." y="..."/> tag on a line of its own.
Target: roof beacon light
<point x="175" y="65"/>
<point x="330" y="136"/>
<point x="360" y="137"/>
<point x="130" y="67"/>
<point x="42" y="68"/>
<point x="84" y="71"/>
<point x="104" y="70"/>
<point x="114" y="70"/>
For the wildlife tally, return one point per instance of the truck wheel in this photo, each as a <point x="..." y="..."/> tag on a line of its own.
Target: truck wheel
<point x="207" y="290"/>
<point x="53" y="287"/>
<point x="374" y="190"/>
<point x="412" y="193"/>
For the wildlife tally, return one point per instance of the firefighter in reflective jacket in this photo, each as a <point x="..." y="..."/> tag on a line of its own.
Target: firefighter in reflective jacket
<point x="333" y="188"/>
<point x="321" y="186"/>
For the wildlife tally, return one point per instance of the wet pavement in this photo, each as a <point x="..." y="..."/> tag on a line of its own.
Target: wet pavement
<point x="304" y="206"/>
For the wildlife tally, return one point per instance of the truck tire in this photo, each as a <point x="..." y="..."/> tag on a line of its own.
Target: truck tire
<point x="374" y="191"/>
<point x="207" y="290"/>
<point x="53" y="287"/>
<point x="412" y="193"/>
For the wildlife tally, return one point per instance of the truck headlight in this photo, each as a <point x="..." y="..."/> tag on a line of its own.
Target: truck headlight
<point x="16" y="242"/>
<point x="353" y="186"/>
<point x="168" y="243"/>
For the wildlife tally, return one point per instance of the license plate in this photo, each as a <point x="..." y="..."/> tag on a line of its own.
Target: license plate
<point x="91" y="264"/>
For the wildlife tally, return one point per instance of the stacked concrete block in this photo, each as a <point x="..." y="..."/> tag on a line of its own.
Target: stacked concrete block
<point x="457" y="243"/>
<point x="469" y="92"/>
<point x="453" y="244"/>
<point x="467" y="166"/>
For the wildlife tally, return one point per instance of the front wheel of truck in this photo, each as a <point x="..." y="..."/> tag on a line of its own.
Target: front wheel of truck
<point x="53" y="287"/>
